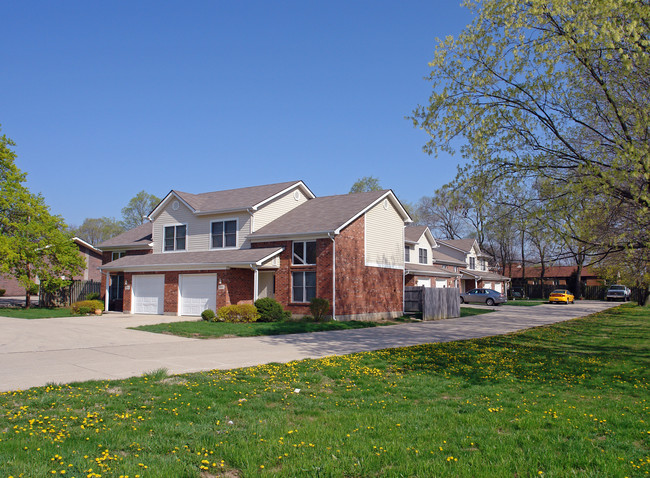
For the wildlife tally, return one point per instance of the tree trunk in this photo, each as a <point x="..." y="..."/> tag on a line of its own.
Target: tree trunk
<point x="28" y="295"/>
<point x="578" y="291"/>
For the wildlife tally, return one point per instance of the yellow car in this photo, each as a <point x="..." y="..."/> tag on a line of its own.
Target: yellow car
<point x="561" y="295"/>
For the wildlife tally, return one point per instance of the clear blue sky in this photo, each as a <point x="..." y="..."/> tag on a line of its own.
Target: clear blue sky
<point x="105" y="99"/>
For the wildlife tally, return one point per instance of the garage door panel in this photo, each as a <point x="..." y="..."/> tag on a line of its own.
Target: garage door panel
<point x="198" y="292"/>
<point x="148" y="294"/>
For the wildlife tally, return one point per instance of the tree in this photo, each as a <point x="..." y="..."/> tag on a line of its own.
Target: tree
<point x="139" y="206"/>
<point x="33" y="242"/>
<point x="364" y="184"/>
<point x="443" y="214"/>
<point x="95" y="231"/>
<point x="554" y="90"/>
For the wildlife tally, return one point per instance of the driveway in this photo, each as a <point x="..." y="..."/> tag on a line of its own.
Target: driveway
<point x="64" y="350"/>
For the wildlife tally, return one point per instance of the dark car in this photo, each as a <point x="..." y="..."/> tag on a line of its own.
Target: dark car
<point x="483" y="296"/>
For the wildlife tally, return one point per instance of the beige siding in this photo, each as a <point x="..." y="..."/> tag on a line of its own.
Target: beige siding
<point x="384" y="237"/>
<point x="276" y="208"/>
<point x="198" y="227"/>
<point x="423" y="243"/>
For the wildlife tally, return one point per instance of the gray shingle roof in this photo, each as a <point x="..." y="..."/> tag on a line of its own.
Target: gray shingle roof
<point x="425" y="269"/>
<point x="464" y="245"/>
<point x="232" y="199"/>
<point x="445" y="259"/>
<point x="484" y="275"/>
<point x="206" y="259"/>
<point x="413" y="233"/>
<point x="138" y="236"/>
<point x="321" y="214"/>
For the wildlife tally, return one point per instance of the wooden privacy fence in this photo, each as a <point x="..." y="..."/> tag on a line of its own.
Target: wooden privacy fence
<point x="432" y="302"/>
<point x="78" y="290"/>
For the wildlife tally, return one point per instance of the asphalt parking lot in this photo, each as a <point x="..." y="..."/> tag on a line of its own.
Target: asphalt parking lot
<point x="64" y="350"/>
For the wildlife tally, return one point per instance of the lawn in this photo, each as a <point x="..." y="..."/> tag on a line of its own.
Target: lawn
<point x="564" y="400"/>
<point x="526" y="302"/>
<point x="35" y="312"/>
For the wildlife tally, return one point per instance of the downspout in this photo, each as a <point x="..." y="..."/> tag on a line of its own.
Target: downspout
<point x="332" y="237"/>
<point x="106" y="298"/>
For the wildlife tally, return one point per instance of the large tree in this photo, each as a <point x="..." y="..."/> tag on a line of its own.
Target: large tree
<point x="555" y="90"/>
<point x="139" y="206"/>
<point x="365" y="184"/>
<point x="33" y="243"/>
<point x="96" y="230"/>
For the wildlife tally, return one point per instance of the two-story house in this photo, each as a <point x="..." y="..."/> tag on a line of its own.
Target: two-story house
<point x="213" y="249"/>
<point x="476" y="272"/>
<point x="425" y="264"/>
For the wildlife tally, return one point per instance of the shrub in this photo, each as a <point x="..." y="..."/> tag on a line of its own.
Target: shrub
<point x="208" y="315"/>
<point x="319" y="308"/>
<point x="85" y="307"/>
<point x="2" y="292"/>
<point x="238" y="313"/>
<point x="93" y="296"/>
<point x="270" y="310"/>
<point x="33" y="289"/>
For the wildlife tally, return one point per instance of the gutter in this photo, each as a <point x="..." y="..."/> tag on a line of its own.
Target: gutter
<point x="333" y="237"/>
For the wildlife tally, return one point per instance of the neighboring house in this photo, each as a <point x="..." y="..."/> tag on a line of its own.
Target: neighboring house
<point x="91" y="255"/>
<point x="553" y="275"/>
<point x="279" y="240"/>
<point x="425" y="265"/>
<point x="476" y="272"/>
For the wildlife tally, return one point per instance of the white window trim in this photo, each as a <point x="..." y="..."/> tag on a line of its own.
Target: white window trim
<point x="304" y="289"/>
<point x="422" y="251"/>
<point x="304" y="249"/>
<point x="120" y="254"/>
<point x="236" y="219"/>
<point x="187" y="237"/>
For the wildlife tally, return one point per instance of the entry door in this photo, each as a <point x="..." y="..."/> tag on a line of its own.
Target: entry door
<point x="198" y="293"/>
<point x="148" y="293"/>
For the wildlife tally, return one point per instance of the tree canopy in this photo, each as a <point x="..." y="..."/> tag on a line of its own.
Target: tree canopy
<point x="33" y="243"/>
<point x="555" y="92"/>
<point x="97" y="230"/>
<point x="138" y="207"/>
<point x="365" y="184"/>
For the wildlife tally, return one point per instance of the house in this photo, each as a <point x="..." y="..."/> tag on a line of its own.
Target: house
<point x="476" y="272"/>
<point x="92" y="256"/>
<point x="279" y="240"/>
<point x="425" y="265"/>
<point x="553" y="276"/>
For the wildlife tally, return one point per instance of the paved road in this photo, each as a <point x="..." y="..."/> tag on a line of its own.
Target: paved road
<point x="63" y="350"/>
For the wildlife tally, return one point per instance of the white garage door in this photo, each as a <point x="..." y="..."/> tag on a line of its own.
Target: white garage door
<point x="441" y="284"/>
<point x="148" y="293"/>
<point x="424" y="282"/>
<point x="198" y="293"/>
<point x="497" y="287"/>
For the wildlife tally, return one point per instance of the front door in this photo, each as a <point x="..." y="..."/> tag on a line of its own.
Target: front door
<point x="116" y="292"/>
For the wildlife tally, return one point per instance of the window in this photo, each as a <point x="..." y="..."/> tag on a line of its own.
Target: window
<point x="304" y="253"/>
<point x="224" y="234"/>
<point x="472" y="262"/>
<point x="175" y="238"/>
<point x="483" y="265"/>
<point x="304" y="286"/>
<point x="116" y="255"/>
<point x="423" y="256"/>
<point x="407" y="254"/>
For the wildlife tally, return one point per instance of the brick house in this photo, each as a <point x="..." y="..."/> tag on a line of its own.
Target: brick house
<point x="90" y="254"/>
<point x="228" y="247"/>
<point x="553" y="275"/>
<point x="425" y="265"/>
<point x="476" y="270"/>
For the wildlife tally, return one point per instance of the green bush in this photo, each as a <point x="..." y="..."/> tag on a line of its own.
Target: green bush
<point x="2" y="292"/>
<point x="319" y="308"/>
<point x="208" y="315"/>
<point x="238" y="313"/>
<point x="85" y="307"/>
<point x="33" y="289"/>
<point x="271" y="310"/>
<point x="93" y="296"/>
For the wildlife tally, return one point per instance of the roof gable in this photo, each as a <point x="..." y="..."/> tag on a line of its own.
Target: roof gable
<point x="413" y="234"/>
<point x="463" y="245"/>
<point x="228" y="200"/>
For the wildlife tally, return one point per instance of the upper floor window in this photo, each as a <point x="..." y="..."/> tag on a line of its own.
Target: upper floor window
<point x="483" y="265"/>
<point x="224" y="234"/>
<point x="407" y="254"/>
<point x="304" y="253"/>
<point x="472" y="262"/>
<point x="175" y="238"/>
<point x="116" y="255"/>
<point x="423" y="256"/>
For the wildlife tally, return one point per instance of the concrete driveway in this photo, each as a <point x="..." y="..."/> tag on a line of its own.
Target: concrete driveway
<point x="64" y="350"/>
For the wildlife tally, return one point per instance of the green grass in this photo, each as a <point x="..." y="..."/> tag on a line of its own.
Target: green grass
<point x="467" y="311"/>
<point x="570" y="399"/>
<point x="35" y="312"/>
<point x="211" y="330"/>
<point x="526" y="302"/>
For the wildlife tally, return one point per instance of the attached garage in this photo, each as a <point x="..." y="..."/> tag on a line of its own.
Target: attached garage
<point x="424" y="282"/>
<point x="148" y="294"/>
<point x="441" y="283"/>
<point x="197" y="292"/>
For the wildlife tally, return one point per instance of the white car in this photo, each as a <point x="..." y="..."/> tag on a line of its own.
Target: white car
<point x="618" y="292"/>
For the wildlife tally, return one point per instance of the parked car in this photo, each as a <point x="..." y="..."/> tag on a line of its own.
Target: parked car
<point x="561" y="296"/>
<point x="618" y="292"/>
<point x="482" y="296"/>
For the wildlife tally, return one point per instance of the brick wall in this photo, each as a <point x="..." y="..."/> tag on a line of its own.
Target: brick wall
<point x="236" y="287"/>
